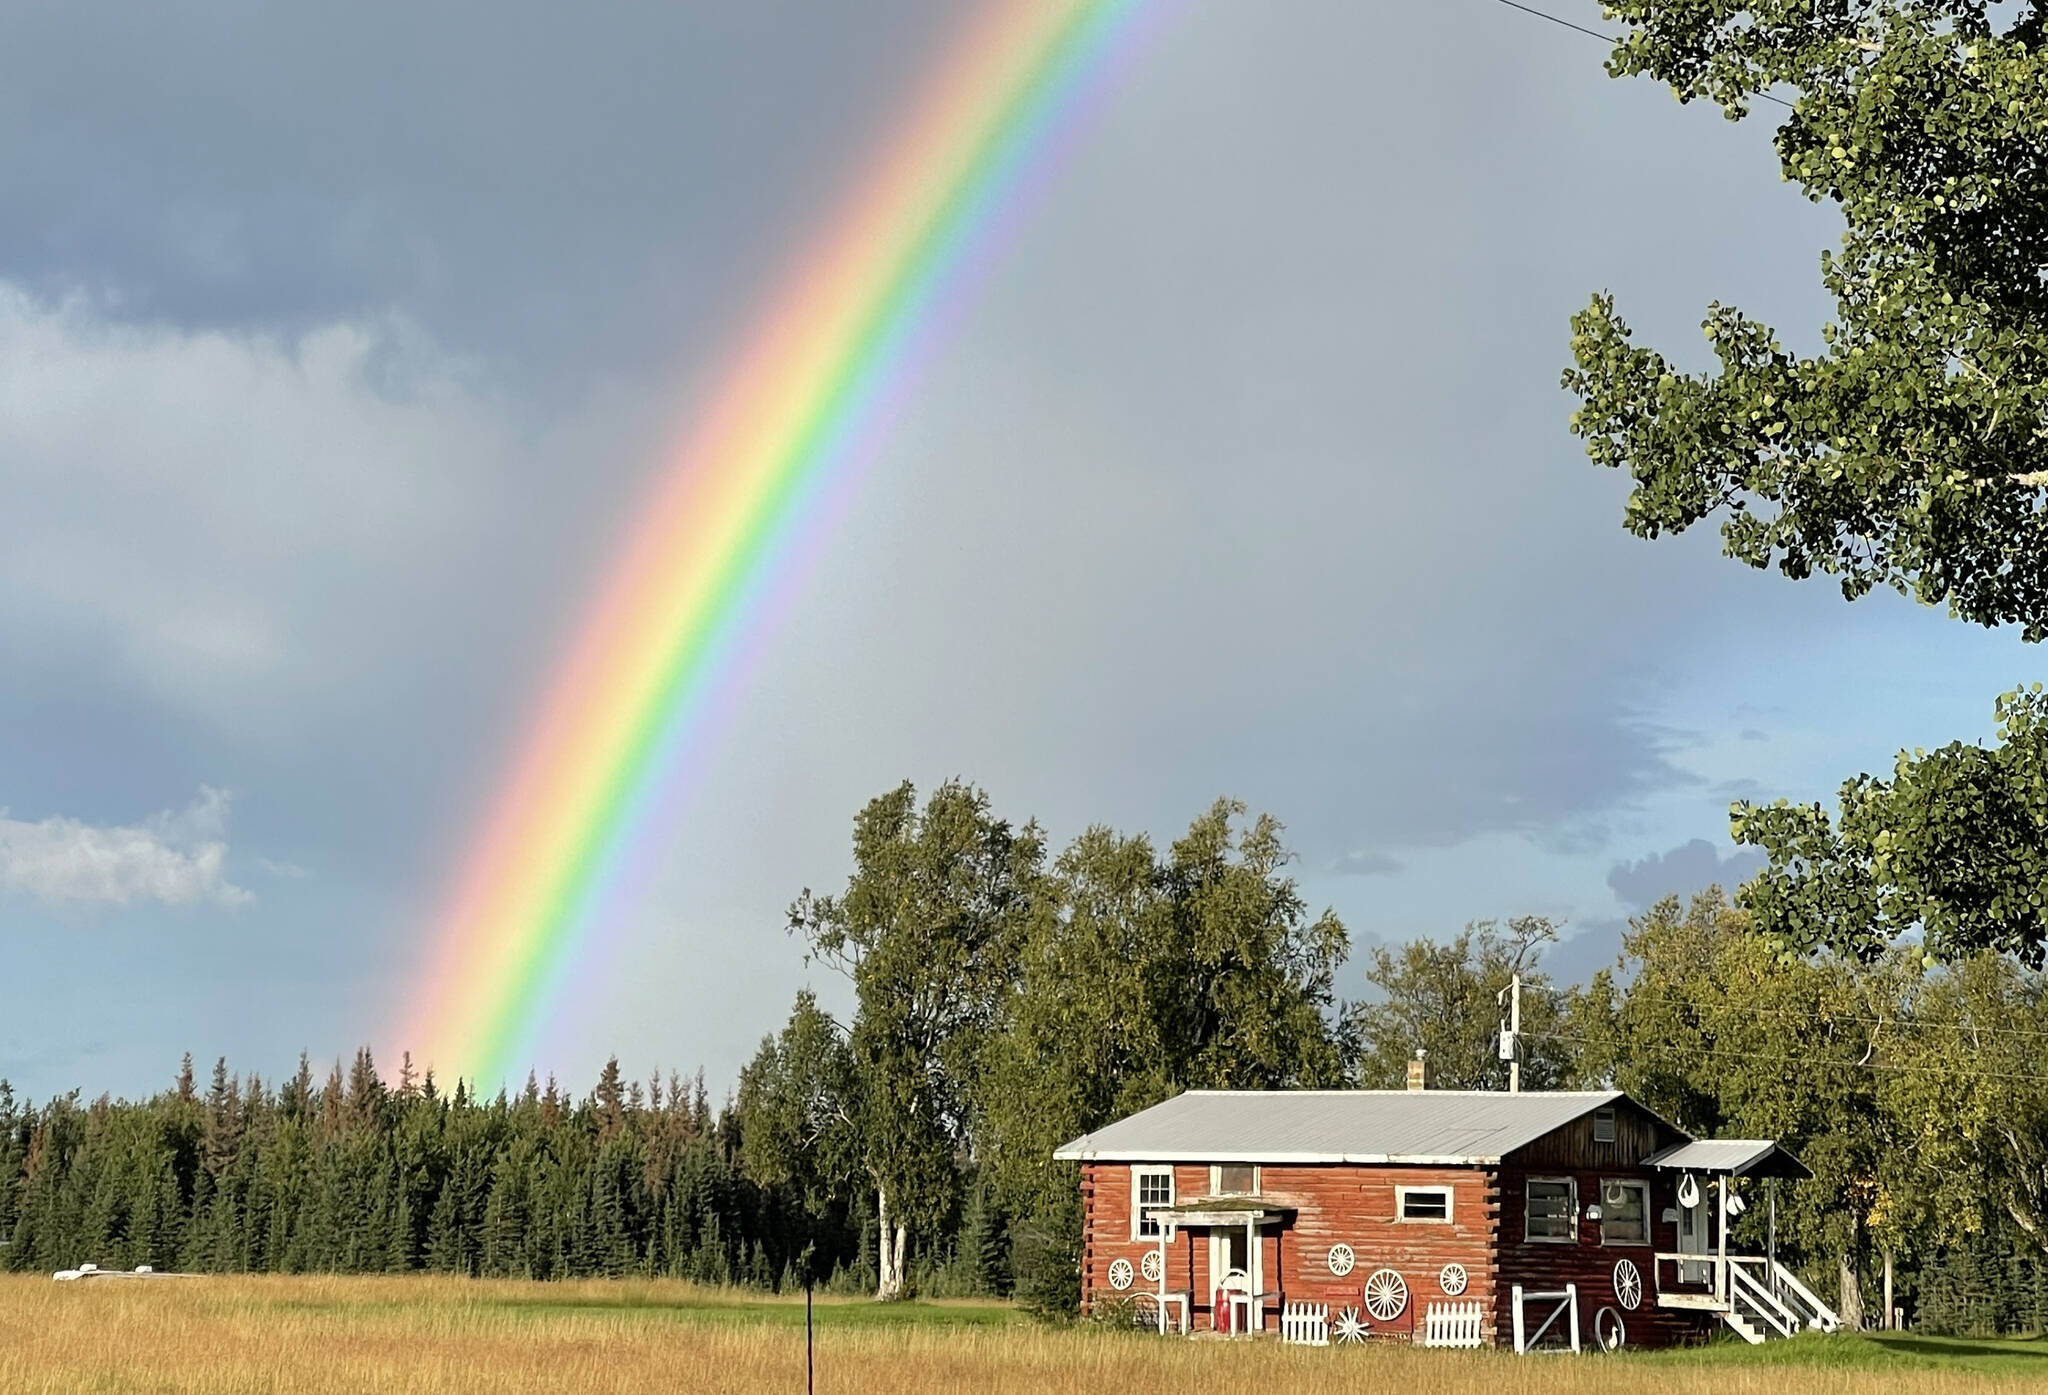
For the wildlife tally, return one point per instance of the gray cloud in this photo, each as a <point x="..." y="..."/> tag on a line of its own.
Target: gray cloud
<point x="342" y="341"/>
<point x="1367" y="862"/>
<point x="174" y="859"/>
<point x="1683" y="871"/>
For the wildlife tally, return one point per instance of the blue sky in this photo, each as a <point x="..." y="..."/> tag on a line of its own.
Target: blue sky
<point x="336" y="346"/>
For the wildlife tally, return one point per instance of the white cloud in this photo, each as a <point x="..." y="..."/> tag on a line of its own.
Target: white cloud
<point x="175" y="858"/>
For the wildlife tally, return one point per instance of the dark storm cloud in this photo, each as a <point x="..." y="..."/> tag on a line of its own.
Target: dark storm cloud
<point x="561" y="186"/>
<point x="1244" y="471"/>
<point x="1684" y="871"/>
<point x="1366" y="863"/>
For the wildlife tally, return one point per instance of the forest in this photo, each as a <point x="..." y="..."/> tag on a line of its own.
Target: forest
<point x="1003" y="1000"/>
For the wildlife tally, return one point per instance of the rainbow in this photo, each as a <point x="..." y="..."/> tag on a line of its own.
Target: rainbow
<point x="805" y="395"/>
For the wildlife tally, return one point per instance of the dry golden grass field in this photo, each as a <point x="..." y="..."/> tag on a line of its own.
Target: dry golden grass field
<point x="424" y="1336"/>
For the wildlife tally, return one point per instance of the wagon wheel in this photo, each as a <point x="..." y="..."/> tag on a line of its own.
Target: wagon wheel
<point x="1144" y="1309"/>
<point x="1386" y="1295"/>
<point x="1609" y="1332"/>
<point x="1452" y="1279"/>
<point x="1152" y="1266"/>
<point x="1120" y="1275"/>
<point x="1341" y="1260"/>
<point x="1628" y="1284"/>
<point x="1349" y="1326"/>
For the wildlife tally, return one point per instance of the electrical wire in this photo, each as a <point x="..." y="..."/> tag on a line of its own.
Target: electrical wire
<point x="1606" y="38"/>
<point x="1837" y="1019"/>
<point x="1897" y="1067"/>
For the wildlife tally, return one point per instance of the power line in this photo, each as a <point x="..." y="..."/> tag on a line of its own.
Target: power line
<point x="1901" y="1068"/>
<point x="1627" y="995"/>
<point x="1579" y="28"/>
<point x="1605" y="38"/>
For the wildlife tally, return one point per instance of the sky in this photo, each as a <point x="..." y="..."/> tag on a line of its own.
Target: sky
<point x="338" y="345"/>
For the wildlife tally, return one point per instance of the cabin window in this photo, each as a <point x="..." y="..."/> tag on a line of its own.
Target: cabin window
<point x="1151" y="1190"/>
<point x="1624" y="1212"/>
<point x="1552" y="1212"/>
<point x="1603" y="1126"/>
<point x="1235" y="1179"/>
<point x="1424" y="1203"/>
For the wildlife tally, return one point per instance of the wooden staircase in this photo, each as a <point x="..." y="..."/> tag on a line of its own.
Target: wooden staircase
<point x="1755" y="1298"/>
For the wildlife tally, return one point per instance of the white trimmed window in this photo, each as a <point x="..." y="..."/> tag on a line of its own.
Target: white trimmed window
<point x="1553" y="1210"/>
<point x="1151" y="1190"/>
<point x="1234" y="1179"/>
<point x="1428" y="1204"/>
<point x="1624" y="1212"/>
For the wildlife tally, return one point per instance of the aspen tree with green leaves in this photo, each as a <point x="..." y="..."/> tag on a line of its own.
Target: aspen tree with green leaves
<point x="1906" y="447"/>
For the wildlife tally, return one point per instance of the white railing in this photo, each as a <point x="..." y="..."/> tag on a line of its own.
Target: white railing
<point x="1454" y="1325"/>
<point x="1746" y="1288"/>
<point x="1305" y="1324"/>
<point x="1801" y="1299"/>
<point x="1715" y="1282"/>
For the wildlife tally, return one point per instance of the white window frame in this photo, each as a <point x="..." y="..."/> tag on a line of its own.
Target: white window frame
<point x="1528" y="1212"/>
<point x="1639" y="1186"/>
<point x="1139" y="1209"/>
<point x="1612" y="1119"/>
<point x="1401" y="1195"/>
<point x="1216" y="1179"/>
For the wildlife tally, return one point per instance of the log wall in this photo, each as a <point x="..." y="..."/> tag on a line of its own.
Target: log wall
<point x="1540" y="1265"/>
<point x="1331" y="1205"/>
<point x="1356" y="1206"/>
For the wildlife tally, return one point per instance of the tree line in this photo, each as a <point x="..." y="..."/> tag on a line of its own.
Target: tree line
<point x="1005" y="1000"/>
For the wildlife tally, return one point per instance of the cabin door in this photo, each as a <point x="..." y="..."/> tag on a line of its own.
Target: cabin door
<point x="1692" y="1230"/>
<point x="1234" y="1266"/>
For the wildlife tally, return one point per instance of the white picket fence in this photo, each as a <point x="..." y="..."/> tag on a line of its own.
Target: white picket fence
<point x="1453" y="1325"/>
<point x="1305" y="1324"/>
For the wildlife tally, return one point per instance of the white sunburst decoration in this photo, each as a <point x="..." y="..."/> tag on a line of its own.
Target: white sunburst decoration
<point x="1452" y="1279"/>
<point x="1349" y="1326"/>
<point x="1386" y="1295"/>
<point x="1152" y="1267"/>
<point x="1120" y="1274"/>
<point x="1341" y="1260"/>
<point x="1628" y="1284"/>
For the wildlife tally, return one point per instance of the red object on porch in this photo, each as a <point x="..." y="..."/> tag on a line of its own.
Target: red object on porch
<point x="1222" y="1312"/>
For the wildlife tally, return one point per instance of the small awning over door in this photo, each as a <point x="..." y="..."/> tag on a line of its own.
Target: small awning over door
<point x="1729" y="1157"/>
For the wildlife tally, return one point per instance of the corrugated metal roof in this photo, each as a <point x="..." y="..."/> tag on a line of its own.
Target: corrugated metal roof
<point x="1354" y="1126"/>
<point x="1742" y="1157"/>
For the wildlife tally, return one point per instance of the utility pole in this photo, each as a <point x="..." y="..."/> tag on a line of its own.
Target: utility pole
<point x="1511" y="1031"/>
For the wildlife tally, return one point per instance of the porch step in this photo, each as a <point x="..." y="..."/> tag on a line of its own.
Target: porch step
<point x="1749" y="1332"/>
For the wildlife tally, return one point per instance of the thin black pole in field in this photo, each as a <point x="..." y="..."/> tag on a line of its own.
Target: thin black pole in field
<point x="810" y="1341"/>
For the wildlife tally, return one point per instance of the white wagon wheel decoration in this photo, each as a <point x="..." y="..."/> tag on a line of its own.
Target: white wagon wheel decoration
<point x="1386" y="1295"/>
<point x="1120" y="1274"/>
<point x="1452" y="1279"/>
<point x="1341" y="1260"/>
<point x="1610" y="1333"/>
<point x="1628" y="1284"/>
<point x="1152" y="1267"/>
<point x="1349" y="1326"/>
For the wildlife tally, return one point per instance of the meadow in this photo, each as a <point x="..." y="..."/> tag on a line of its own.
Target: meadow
<point x="436" y="1336"/>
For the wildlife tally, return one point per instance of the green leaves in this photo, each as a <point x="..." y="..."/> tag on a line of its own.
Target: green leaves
<point x="1954" y="847"/>
<point x="1912" y="450"/>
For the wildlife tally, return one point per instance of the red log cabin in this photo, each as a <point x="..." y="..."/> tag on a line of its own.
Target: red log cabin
<point x="1450" y="1218"/>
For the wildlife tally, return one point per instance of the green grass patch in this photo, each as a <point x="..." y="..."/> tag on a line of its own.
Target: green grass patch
<point x="1871" y="1351"/>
